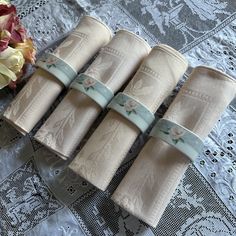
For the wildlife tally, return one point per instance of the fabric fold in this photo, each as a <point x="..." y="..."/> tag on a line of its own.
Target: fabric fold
<point x="71" y="120"/>
<point x="32" y="102"/>
<point x="148" y="186"/>
<point x="103" y="153"/>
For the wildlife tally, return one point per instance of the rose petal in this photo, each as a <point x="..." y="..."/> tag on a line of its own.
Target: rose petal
<point x="7" y="17"/>
<point x="13" y="59"/>
<point x="27" y="49"/>
<point x="6" y="76"/>
<point x="6" y="9"/>
<point x="18" y="33"/>
<point x="4" y="40"/>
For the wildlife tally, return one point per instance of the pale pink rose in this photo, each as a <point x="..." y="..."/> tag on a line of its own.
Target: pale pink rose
<point x="176" y="132"/>
<point x="89" y="82"/>
<point x="130" y="105"/>
<point x="51" y="61"/>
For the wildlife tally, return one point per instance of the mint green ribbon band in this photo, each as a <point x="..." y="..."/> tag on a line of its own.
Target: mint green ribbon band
<point x="132" y="110"/>
<point x="179" y="137"/>
<point x="57" y="67"/>
<point x="93" y="88"/>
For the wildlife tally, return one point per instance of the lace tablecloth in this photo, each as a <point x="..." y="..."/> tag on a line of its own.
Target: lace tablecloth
<point x="40" y="196"/>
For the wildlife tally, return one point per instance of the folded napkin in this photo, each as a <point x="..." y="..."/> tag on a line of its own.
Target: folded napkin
<point x="42" y="89"/>
<point x="71" y="120"/>
<point x="107" y="147"/>
<point x="151" y="181"/>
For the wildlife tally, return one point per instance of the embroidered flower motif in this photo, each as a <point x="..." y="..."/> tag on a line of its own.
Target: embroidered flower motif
<point x="49" y="61"/>
<point x="89" y="83"/>
<point x="130" y="106"/>
<point x="40" y="215"/>
<point x="176" y="134"/>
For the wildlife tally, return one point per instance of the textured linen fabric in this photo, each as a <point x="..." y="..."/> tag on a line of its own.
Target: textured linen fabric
<point x="151" y="181"/>
<point x="73" y="117"/>
<point x="40" y="196"/>
<point x="40" y="92"/>
<point x="103" y="153"/>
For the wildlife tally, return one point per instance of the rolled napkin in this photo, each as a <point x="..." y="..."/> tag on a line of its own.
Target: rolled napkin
<point x="131" y="112"/>
<point x="56" y="71"/>
<point x="148" y="186"/>
<point x="71" y="120"/>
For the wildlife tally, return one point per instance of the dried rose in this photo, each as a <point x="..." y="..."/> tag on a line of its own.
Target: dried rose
<point x="10" y="28"/>
<point x="27" y="49"/>
<point x="11" y="64"/>
<point x="6" y="76"/>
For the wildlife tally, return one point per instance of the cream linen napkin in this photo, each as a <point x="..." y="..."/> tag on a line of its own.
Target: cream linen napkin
<point x="107" y="147"/>
<point x="151" y="181"/>
<point x="115" y="64"/>
<point x="42" y="89"/>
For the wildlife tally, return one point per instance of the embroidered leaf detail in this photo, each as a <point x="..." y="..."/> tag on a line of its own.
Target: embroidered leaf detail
<point x="138" y="88"/>
<point x="60" y="137"/>
<point x="58" y="123"/>
<point x="28" y="91"/>
<point x="71" y="120"/>
<point x="16" y="107"/>
<point x="98" y="67"/>
<point x="59" y="50"/>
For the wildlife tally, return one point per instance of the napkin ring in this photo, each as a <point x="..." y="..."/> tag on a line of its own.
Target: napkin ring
<point x="132" y="110"/>
<point x="57" y="67"/>
<point x="179" y="137"/>
<point x="93" y="88"/>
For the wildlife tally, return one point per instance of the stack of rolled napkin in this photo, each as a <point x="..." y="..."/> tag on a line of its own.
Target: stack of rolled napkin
<point x="175" y="140"/>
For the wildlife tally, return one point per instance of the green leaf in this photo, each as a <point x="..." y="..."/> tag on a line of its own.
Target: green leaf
<point x="165" y="132"/>
<point x="175" y="141"/>
<point x="181" y="140"/>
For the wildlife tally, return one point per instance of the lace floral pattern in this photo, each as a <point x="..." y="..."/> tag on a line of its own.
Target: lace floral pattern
<point x="218" y="51"/>
<point x="25" y="201"/>
<point x="218" y="162"/>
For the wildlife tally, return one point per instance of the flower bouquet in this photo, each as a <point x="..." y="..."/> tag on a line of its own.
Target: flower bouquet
<point x="16" y="49"/>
